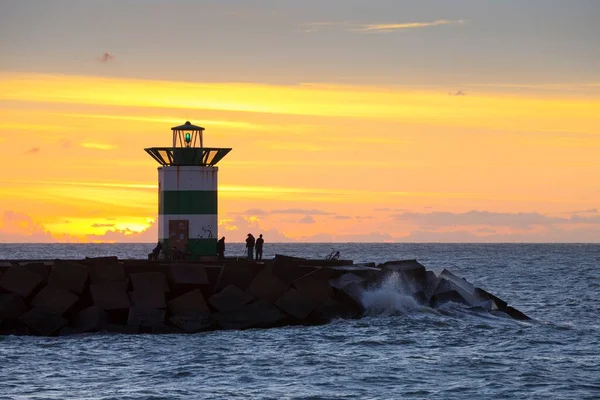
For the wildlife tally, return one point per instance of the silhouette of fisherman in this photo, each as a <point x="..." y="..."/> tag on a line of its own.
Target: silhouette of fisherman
<point x="221" y="248"/>
<point x="155" y="252"/>
<point x="250" y="245"/>
<point x="259" y="245"/>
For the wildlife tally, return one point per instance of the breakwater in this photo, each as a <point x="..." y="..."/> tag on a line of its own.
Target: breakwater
<point x="63" y="297"/>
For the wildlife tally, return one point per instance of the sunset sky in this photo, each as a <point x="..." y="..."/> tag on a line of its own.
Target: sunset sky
<point x="368" y="121"/>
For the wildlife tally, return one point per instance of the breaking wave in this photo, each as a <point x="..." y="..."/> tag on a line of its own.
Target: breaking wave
<point x="390" y="297"/>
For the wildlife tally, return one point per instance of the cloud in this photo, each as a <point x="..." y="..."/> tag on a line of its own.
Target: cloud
<point x="487" y="218"/>
<point x="235" y="229"/>
<point x="126" y="235"/>
<point x="350" y="26"/>
<point x="21" y="228"/>
<point x="300" y="211"/>
<point x="103" y="225"/>
<point x="370" y="237"/>
<point x="307" y="220"/>
<point x="342" y="217"/>
<point x="457" y="93"/>
<point x="106" y="57"/>
<point x="97" y="146"/>
<point x="255" y="211"/>
<point x="33" y="150"/>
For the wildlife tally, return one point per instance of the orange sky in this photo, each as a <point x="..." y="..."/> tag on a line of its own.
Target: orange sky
<point x="486" y="160"/>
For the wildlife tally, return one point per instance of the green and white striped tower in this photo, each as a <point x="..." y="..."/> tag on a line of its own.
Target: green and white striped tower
<point x="188" y="192"/>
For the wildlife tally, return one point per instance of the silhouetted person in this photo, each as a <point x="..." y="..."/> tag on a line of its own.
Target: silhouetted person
<point x="259" y="245"/>
<point x="250" y="245"/>
<point x="155" y="252"/>
<point x="221" y="248"/>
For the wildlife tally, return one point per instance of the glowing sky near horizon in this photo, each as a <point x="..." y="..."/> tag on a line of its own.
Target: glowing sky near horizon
<point x="463" y="121"/>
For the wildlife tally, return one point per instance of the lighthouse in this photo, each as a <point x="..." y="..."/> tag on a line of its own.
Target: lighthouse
<point x="188" y="193"/>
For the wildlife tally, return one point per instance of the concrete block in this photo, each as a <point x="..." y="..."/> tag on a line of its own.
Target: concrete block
<point x="149" y="282"/>
<point x="297" y="303"/>
<point x="20" y="280"/>
<point x="148" y="298"/>
<point x="54" y="300"/>
<point x="466" y="289"/>
<point x="481" y="295"/>
<point x="230" y="299"/>
<point x="91" y="319"/>
<point x="21" y="331"/>
<point x="191" y="303"/>
<point x="187" y="274"/>
<point x="267" y="287"/>
<point x="12" y="306"/>
<point x="194" y="323"/>
<point x="412" y="272"/>
<point x="68" y="276"/>
<point x="121" y="329"/>
<point x="145" y="317"/>
<point x="345" y="280"/>
<point x="110" y="296"/>
<point x="41" y="269"/>
<point x="329" y="310"/>
<point x="258" y="314"/>
<point x="103" y="273"/>
<point x="444" y="297"/>
<point x="516" y="314"/>
<point x="289" y="269"/>
<point x="42" y="322"/>
<point x="316" y="283"/>
<point x="238" y="273"/>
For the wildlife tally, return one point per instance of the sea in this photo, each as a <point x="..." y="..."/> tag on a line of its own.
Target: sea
<point x="399" y="350"/>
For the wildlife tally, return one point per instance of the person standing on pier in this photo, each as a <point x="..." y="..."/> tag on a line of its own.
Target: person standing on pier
<point x="250" y="245"/>
<point x="221" y="248"/>
<point x="259" y="245"/>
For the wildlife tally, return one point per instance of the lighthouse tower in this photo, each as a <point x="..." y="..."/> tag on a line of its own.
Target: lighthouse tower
<point x="188" y="192"/>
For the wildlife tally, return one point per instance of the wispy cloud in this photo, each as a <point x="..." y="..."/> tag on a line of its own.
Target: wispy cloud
<point x="97" y="146"/>
<point x="33" y="150"/>
<point x="350" y="26"/>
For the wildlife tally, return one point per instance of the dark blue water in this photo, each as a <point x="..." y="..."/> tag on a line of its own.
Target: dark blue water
<point x="403" y="351"/>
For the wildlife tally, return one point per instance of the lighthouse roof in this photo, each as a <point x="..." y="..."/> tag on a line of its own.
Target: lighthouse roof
<point x="187" y="127"/>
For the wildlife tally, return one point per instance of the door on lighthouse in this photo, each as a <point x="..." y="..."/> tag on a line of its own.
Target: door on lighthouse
<point x="179" y="230"/>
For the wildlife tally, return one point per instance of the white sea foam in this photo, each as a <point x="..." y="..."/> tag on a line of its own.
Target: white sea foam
<point x="389" y="298"/>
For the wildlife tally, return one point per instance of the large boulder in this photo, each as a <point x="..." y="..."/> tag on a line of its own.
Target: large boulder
<point x="316" y="283"/>
<point x="411" y="271"/>
<point x="90" y="319"/>
<point x="149" y="282"/>
<point x="187" y="274"/>
<point x="146" y="317"/>
<point x="288" y="269"/>
<point x="12" y="306"/>
<point x="298" y="303"/>
<point x="238" y="273"/>
<point x="258" y="314"/>
<point x="194" y="323"/>
<point x="19" y="280"/>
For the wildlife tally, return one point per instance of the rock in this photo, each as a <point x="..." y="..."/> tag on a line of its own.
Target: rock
<point x="230" y="299"/>
<point x="68" y="276"/>
<point x="110" y="296"/>
<point x="43" y="322"/>
<point x="194" y="323"/>
<point x="54" y="300"/>
<point x="122" y="329"/>
<point x="11" y="306"/>
<point x="91" y="319"/>
<point x="329" y="310"/>
<point x="345" y="280"/>
<point x="145" y="317"/>
<point x="258" y="314"/>
<point x="191" y="303"/>
<point x="267" y="287"/>
<point x="187" y="274"/>
<point x="149" y="282"/>
<point x="21" y="331"/>
<point x="148" y="298"/>
<point x="20" y="280"/>
<point x="297" y="303"/>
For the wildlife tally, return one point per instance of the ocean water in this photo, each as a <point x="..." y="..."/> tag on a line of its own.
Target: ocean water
<point x="400" y="350"/>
